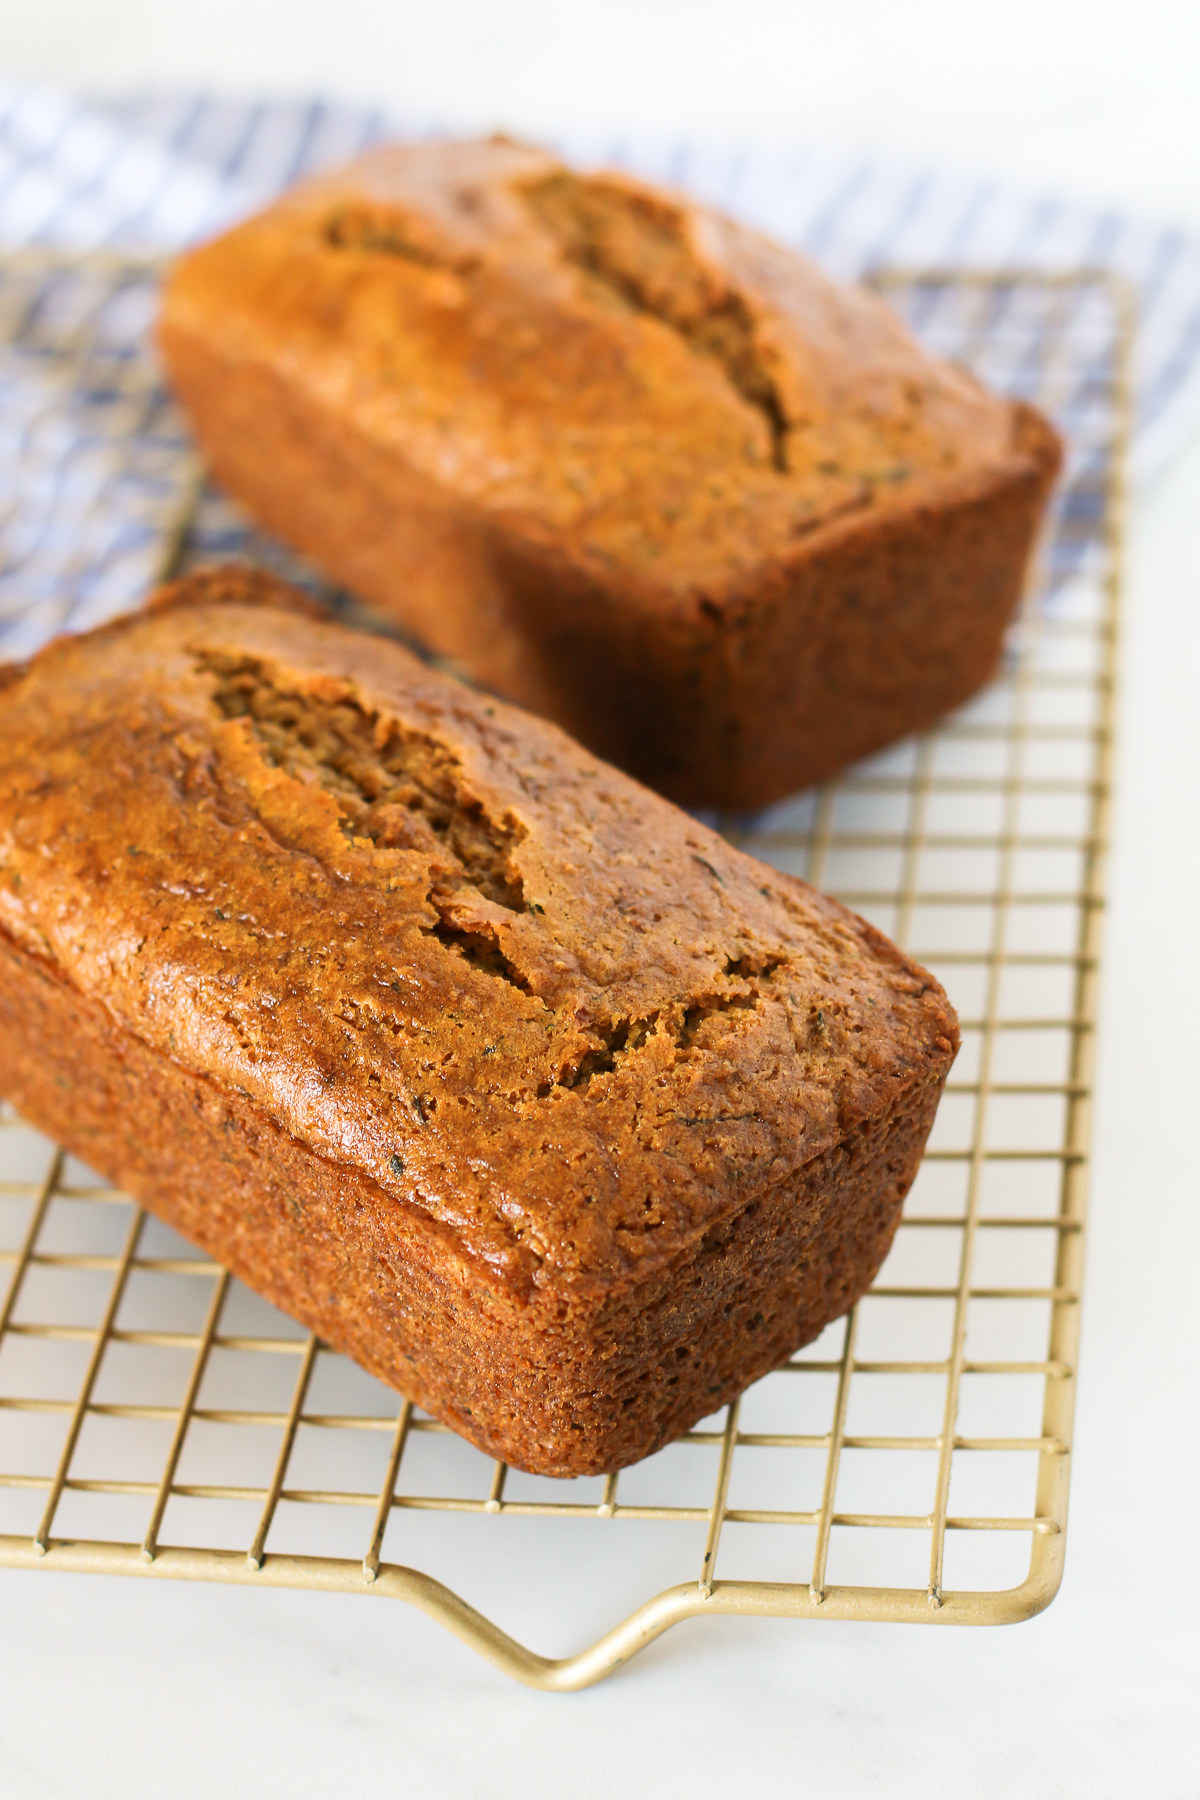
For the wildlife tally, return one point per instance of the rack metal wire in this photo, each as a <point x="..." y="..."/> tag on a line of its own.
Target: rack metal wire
<point x="913" y="1464"/>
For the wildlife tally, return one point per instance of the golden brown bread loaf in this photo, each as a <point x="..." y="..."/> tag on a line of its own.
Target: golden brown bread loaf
<point x="506" y="1077"/>
<point x="628" y="463"/>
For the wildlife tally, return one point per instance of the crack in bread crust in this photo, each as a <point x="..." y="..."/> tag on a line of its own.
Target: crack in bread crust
<point x="637" y="244"/>
<point x="396" y="787"/>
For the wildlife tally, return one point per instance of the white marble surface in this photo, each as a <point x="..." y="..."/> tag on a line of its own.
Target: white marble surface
<point x="138" y="1689"/>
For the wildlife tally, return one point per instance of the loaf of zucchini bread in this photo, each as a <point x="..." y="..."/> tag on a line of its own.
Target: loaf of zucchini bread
<point x="624" y="461"/>
<point x="512" y="1081"/>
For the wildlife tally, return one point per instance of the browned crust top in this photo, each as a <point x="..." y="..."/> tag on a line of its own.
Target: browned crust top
<point x="434" y="939"/>
<point x="597" y="362"/>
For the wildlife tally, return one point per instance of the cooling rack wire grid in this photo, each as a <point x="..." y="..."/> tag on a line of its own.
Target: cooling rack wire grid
<point x="158" y="1419"/>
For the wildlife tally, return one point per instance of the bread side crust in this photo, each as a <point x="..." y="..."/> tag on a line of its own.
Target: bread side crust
<point x="549" y="1387"/>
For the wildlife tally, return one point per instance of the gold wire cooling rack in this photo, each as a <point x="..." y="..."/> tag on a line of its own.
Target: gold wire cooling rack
<point x="912" y="1465"/>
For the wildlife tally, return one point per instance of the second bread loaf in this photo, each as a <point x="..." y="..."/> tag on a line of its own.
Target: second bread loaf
<point x="625" y="461"/>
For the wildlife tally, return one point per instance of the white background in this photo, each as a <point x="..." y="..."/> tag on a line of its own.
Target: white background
<point x="132" y="1689"/>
